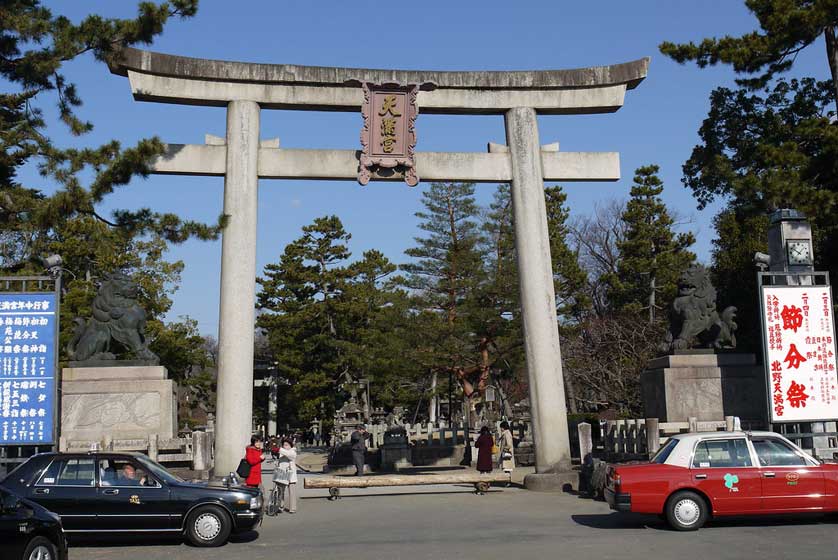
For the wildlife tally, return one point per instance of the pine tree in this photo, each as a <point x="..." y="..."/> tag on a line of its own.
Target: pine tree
<point x="786" y="28"/>
<point x="298" y="303"/>
<point x="325" y="316"/>
<point x="652" y="256"/>
<point x="36" y="46"/>
<point x="768" y="149"/>
<point x="740" y="234"/>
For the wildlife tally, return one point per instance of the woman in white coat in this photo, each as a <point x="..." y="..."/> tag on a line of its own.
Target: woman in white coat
<point x="285" y="476"/>
<point x="506" y="457"/>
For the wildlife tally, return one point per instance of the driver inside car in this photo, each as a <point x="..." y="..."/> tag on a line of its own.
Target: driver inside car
<point x="130" y="477"/>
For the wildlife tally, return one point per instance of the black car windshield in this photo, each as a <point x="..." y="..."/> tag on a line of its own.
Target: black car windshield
<point x="158" y="470"/>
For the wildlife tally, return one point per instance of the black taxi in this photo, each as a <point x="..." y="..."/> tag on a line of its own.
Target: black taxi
<point x="128" y="492"/>
<point x="28" y="531"/>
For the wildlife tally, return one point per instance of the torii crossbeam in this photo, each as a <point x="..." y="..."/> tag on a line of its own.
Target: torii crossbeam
<point x="245" y="88"/>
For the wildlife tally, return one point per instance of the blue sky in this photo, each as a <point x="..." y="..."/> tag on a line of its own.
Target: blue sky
<point x="657" y="125"/>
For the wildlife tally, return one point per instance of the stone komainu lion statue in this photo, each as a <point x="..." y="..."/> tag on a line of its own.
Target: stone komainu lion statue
<point x="694" y="321"/>
<point x="116" y="316"/>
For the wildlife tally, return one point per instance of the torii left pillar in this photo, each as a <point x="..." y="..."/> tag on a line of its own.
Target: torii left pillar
<point x="238" y="291"/>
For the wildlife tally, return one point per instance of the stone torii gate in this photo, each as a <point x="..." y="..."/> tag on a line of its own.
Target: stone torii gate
<point x="245" y="88"/>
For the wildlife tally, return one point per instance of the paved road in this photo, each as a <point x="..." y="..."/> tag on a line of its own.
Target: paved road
<point x="450" y="523"/>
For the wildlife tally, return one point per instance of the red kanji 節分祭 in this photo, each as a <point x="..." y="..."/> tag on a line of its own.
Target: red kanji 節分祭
<point x="794" y="358"/>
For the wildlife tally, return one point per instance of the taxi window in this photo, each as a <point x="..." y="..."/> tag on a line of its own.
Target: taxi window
<point x="50" y="475"/>
<point x="776" y="453"/>
<point x="120" y="471"/>
<point x="722" y="453"/>
<point x="68" y="472"/>
<point x="664" y="452"/>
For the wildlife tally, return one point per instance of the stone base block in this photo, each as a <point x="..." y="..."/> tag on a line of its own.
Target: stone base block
<point x="704" y="386"/>
<point x="117" y="403"/>
<point x="562" y="481"/>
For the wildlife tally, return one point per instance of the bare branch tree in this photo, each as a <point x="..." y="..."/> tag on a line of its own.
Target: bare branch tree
<point x="596" y="238"/>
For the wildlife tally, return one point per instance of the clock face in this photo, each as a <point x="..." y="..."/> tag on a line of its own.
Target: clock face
<point x="799" y="252"/>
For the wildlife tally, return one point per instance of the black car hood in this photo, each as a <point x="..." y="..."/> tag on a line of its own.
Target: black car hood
<point x="40" y="511"/>
<point x="218" y="486"/>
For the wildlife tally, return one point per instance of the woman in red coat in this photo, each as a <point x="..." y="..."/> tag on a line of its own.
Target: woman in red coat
<point x="254" y="456"/>
<point x="484" y="445"/>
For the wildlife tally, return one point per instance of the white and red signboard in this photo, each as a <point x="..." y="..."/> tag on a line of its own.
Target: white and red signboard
<point x="799" y="333"/>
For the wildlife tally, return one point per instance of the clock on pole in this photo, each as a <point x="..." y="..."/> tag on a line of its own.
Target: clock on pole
<point x="799" y="252"/>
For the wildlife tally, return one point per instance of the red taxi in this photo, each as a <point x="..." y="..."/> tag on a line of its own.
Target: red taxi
<point x="698" y="475"/>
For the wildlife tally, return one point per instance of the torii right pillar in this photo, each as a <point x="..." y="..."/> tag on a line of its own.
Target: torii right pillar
<point x="538" y="304"/>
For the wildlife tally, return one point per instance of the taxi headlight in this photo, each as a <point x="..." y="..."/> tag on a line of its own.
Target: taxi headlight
<point x="256" y="503"/>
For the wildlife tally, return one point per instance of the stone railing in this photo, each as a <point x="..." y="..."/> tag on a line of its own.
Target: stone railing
<point x="422" y="434"/>
<point x="195" y="448"/>
<point x="636" y="439"/>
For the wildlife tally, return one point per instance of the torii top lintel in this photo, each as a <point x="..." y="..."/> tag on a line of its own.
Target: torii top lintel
<point x="196" y="81"/>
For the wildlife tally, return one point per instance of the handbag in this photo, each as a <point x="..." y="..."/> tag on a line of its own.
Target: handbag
<point x="282" y="475"/>
<point x="506" y="455"/>
<point x="243" y="469"/>
<point x="495" y="449"/>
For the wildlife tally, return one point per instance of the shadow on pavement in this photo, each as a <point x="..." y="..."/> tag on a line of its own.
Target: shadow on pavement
<point x="434" y="493"/>
<point x="147" y="539"/>
<point x="640" y="521"/>
<point x="760" y="521"/>
<point x="619" y="521"/>
<point x="115" y="540"/>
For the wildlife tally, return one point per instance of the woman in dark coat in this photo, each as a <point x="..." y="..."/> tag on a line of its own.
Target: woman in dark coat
<point x="484" y="445"/>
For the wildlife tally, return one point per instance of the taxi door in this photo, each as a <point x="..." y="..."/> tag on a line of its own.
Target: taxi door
<point x="130" y="499"/>
<point x="789" y="481"/>
<point x="724" y="471"/>
<point x="67" y="487"/>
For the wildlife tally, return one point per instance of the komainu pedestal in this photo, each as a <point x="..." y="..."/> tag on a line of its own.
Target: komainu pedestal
<point x="124" y="402"/>
<point x="706" y="386"/>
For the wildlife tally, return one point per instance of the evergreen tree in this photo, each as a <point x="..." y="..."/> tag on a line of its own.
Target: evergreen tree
<point x="740" y="234"/>
<point x="786" y="28"/>
<point x="770" y="149"/>
<point x="60" y="212"/>
<point x="761" y="153"/>
<point x="325" y="317"/>
<point x="36" y="46"/>
<point x="652" y="256"/>
<point x="298" y="302"/>
<point x="443" y="278"/>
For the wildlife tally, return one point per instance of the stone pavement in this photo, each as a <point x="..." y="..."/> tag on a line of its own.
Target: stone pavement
<point x="450" y="522"/>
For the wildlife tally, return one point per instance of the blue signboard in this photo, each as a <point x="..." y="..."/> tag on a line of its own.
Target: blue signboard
<point x="27" y="368"/>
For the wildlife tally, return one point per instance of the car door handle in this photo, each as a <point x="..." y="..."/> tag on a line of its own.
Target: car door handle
<point x="700" y="476"/>
<point x="42" y="490"/>
<point x="768" y="475"/>
<point x="111" y="492"/>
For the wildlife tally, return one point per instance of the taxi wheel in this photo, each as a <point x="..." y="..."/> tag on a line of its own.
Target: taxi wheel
<point x="208" y="526"/>
<point x="686" y="511"/>
<point x="40" y="548"/>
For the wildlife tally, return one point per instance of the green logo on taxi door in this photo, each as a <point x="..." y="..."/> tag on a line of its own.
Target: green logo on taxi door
<point x="730" y="481"/>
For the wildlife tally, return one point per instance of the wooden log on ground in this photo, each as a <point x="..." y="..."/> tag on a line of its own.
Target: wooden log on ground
<point x="403" y="480"/>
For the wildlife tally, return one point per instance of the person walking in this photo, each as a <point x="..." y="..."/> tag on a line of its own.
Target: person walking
<point x="484" y="444"/>
<point x="506" y="459"/>
<point x="358" y="444"/>
<point x="285" y="477"/>
<point x="254" y="455"/>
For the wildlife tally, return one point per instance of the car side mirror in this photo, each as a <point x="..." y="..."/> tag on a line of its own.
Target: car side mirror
<point x="10" y="503"/>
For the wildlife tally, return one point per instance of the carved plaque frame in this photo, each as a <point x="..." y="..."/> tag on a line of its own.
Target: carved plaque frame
<point x="401" y="156"/>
